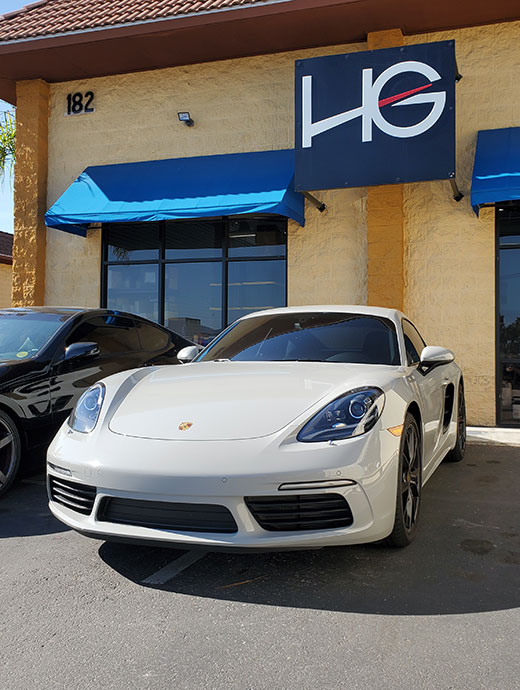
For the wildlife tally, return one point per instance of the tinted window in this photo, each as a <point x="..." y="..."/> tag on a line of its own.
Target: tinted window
<point x="133" y="241"/>
<point x="194" y="239"/>
<point x="113" y="334"/>
<point x="152" y="338"/>
<point x="321" y="337"/>
<point x="195" y="276"/>
<point x="508" y="235"/>
<point x="134" y="288"/>
<point x="255" y="285"/>
<point x="254" y="237"/>
<point x="413" y="343"/>
<point x="193" y="299"/>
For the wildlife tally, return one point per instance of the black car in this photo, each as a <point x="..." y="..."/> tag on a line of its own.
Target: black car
<point x="49" y="356"/>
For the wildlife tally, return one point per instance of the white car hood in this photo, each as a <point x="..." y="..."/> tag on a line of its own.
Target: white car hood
<point x="233" y="400"/>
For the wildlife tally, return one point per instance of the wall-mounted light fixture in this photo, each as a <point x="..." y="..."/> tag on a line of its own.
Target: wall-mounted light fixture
<point x="186" y="118"/>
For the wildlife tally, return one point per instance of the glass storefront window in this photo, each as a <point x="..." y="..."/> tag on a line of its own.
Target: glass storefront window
<point x="133" y="241"/>
<point x="195" y="239"/>
<point x="195" y="276"/>
<point x="255" y="285"/>
<point x="193" y="300"/>
<point x="134" y="289"/>
<point x="508" y="332"/>
<point x="255" y="238"/>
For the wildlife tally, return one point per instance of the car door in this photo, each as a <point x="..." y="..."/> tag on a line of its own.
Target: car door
<point x="119" y="349"/>
<point x="429" y="386"/>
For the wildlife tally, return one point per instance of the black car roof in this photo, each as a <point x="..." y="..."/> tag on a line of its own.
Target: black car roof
<point x="45" y="310"/>
<point x="72" y="311"/>
<point x="76" y="311"/>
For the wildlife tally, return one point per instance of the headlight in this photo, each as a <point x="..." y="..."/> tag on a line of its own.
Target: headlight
<point x="86" y="413"/>
<point x="353" y="414"/>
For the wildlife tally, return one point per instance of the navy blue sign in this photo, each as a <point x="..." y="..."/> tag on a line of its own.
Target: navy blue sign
<point x="377" y="117"/>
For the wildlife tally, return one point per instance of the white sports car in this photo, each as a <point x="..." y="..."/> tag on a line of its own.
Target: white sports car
<point x="300" y="427"/>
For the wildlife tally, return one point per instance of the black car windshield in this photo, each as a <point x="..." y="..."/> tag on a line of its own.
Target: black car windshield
<point x="23" y="334"/>
<point x="308" y="337"/>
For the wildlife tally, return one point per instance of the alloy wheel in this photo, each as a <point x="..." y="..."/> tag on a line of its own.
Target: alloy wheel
<point x="7" y="454"/>
<point x="461" y="421"/>
<point x="410" y="478"/>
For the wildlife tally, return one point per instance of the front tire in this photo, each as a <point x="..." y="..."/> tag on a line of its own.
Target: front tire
<point x="409" y="484"/>
<point x="10" y="452"/>
<point x="457" y="454"/>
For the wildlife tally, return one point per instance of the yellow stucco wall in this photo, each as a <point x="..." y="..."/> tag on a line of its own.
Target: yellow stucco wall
<point x="247" y="105"/>
<point x="327" y="258"/>
<point x="450" y="253"/>
<point x="6" y="279"/>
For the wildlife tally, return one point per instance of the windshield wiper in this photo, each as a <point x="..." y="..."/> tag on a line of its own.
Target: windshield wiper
<point x="222" y="359"/>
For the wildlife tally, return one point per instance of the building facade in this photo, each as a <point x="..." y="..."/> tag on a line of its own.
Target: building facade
<point x="409" y="246"/>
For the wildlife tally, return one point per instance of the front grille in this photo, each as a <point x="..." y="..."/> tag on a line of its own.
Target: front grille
<point x="181" y="517"/>
<point x="300" y="512"/>
<point x="78" y="497"/>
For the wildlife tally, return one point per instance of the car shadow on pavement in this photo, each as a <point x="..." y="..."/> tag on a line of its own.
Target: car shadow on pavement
<point x="465" y="559"/>
<point x="24" y="510"/>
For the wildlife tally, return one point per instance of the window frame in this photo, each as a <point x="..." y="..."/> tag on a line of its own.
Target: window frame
<point x="162" y="261"/>
<point x="91" y="317"/>
<point x="407" y="321"/>
<point x="502" y="210"/>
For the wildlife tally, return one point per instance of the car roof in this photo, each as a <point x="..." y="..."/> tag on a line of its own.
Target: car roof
<point x="43" y="310"/>
<point x="72" y="312"/>
<point x="381" y="312"/>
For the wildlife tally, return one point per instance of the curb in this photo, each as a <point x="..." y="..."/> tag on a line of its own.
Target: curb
<point x="482" y="434"/>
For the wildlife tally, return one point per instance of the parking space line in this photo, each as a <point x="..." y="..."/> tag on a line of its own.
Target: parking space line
<point x="160" y="577"/>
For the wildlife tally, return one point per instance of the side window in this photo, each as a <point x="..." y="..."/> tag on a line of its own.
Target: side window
<point x="113" y="334"/>
<point x="152" y="339"/>
<point x="413" y="342"/>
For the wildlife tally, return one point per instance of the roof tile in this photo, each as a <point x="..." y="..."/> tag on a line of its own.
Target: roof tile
<point x="50" y="17"/>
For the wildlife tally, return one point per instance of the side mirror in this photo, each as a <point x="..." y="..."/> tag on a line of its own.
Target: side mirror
<point x="77" y="350"/>
<point x="187" y="354"/>
<point x="434" y="355"/>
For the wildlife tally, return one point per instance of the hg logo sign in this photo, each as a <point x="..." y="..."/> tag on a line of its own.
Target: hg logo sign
<point x="393" y="143"/>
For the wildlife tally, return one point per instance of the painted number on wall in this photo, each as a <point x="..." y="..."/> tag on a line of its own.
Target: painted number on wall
<point x="80" y="103"/>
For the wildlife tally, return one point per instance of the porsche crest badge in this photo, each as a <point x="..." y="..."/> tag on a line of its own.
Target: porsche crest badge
<point x="184" y="426"/>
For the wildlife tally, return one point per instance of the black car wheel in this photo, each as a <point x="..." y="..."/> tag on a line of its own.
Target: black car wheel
<point x="10" y="452"/>
<point x="409" y="482"/>
<point x="457" y="454"/>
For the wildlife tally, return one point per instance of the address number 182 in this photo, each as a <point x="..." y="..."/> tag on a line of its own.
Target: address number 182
<point x="79" y="103"/>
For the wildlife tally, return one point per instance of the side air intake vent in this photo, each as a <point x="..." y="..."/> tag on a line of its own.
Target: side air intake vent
<point x="77" y="497"/>
<point x="300" y="512"/>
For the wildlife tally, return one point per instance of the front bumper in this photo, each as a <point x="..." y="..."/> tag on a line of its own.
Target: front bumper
<point x="149" y="470"/>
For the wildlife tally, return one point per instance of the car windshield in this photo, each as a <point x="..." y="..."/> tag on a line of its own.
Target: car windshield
<point x="23" y="334"/>
<point x="308" y="337"/>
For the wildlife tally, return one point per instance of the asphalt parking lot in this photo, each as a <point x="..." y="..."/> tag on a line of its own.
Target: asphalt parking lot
<point x="443" y="613"/>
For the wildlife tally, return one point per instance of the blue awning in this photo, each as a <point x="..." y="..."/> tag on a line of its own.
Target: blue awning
<point x="496" y="171"/>
<point x="180" y="188"/>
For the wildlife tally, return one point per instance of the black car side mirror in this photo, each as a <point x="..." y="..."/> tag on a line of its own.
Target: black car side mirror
<point x="77" y="350"/>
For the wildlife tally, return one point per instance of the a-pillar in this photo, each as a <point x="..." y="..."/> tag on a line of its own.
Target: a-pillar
<point x="30" y="192"/>
<point x="385" y="220"/>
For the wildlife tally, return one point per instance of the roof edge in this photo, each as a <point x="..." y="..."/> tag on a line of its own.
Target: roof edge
<point x="159" y="23"/>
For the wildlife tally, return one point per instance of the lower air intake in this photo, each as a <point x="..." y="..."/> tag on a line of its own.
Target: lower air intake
<point x="300" y="512"/>
<point x="179" y="517"/>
